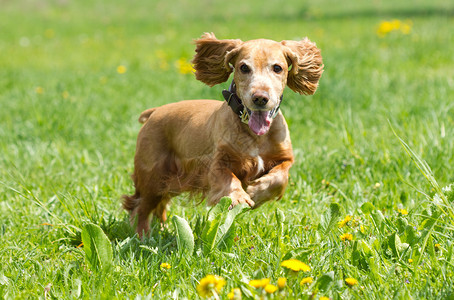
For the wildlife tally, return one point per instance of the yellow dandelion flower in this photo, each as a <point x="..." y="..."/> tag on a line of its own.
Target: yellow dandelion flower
<point x="324" y="298"/>
<point x="165" y="266"/>
<point x="259" y="283"/>
<point x="362" y="229"/>
<point x="65" y="94"/>
<point x="403" y="211"/>
<point x="410" y="260"/>
<point x="209" y="285"/>
<point x="230" y="295"/>
<point x="405" y="28"/>
<point x="395" y="24"/>
<point x="346" y="236"/>
<point x="281" y="282"/>
<point x="235" y="294"/>
<point x="437" y="247"/>
<point x="121" y="69"/>
<point x="295" y="265"/>
<point x="306" y="280"/>
<point x="344" y="221"/>
<point x="269" y="288"/>
<point x="184" y="67"/>
<point x="377" y="185"/>
<point x="39" y="90"/>
<point x="351" y="281"/>
<point x="384" y="28"/>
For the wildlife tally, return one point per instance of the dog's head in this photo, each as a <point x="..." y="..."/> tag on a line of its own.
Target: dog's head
<point x="262" y="68"/>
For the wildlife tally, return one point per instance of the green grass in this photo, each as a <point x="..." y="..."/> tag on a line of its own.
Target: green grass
<point x="68" y="127"/>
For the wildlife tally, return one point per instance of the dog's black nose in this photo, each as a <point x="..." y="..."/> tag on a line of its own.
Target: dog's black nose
<point x="260" y="98"/>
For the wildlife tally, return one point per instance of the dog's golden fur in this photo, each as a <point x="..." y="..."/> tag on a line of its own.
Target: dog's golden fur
<point x="202" y="146"/>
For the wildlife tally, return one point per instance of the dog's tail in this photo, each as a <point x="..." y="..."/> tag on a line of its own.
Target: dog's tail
<point x="131" y="202"/>
<point x="145" y="115"/>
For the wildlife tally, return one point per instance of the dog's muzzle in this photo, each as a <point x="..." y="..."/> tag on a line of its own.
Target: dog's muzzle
<point x="236" y="104"/>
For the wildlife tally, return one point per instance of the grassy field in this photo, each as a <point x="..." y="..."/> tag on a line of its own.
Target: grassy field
<point x="75" y="75"/>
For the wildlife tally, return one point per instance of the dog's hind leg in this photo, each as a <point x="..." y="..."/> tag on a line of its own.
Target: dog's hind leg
<point x="145" y="201"/>
<point x="155" y="204"/>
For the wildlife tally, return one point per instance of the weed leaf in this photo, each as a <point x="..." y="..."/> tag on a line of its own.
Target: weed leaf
<point x="228" y="239"/>
<point x="219" y="208"/>
<point x="218" y="225"/>
<point x="330" y="219"/>
<point x="428" y="225"/>
<point x="325" y="281"/>
<point x="97" y="247"/>
<point x="379" y="220"/>
<point x="367" y="208"/>
<point x="216" y="217"/>
<point x="185" y="237"/>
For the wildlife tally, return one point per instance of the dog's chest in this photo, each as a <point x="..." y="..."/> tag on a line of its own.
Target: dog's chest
<point x="258" y="161"/>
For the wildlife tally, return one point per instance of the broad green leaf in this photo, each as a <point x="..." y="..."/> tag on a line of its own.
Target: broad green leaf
<point x="367" y="250"/>
<point x="335" y="213"/>
<point x="374" y="267"/>
<point x="215" y="218"/>
<point x="401" y="224"/>
<point x="367" y="208"/>
<point x="430" y="249"/>
<point x="411" y="235"/>
<point x="356" y="256"/>
<point x="219" y="208"/>
<point x="396" y="245"/>
<point x="219" y="222"/>
<point x="209" y="234"/>
<point x="97" y="247"/>
<point x="330" y="218"/>
<point x="379" y="220"/>
<point x="392" y="241"/>
<point x="229" y="219"/>
<point x="402" y="247"/>
<point x="198" y="227"/>
<point x="299" y="253"/>
<point x="325" y="281"/>
<point x="428" y="226"/>
<point x="185" y="238"/>
<point x="227" y="241"/>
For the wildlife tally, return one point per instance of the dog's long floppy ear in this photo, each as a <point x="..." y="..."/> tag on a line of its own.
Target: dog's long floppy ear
<point x="307" y="66"/>
<point x="212" y="58"/>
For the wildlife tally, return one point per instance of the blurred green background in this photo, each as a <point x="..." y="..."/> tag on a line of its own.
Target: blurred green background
<point x="75" y="75"/>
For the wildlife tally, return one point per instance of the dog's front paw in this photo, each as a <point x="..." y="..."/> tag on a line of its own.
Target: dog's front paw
<point x="239" y="197"/>
<point x="258" y="188"/>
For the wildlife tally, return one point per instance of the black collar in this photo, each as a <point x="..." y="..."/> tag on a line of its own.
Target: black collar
<point x="237" y="106"/>
<point x="233" y="100"/>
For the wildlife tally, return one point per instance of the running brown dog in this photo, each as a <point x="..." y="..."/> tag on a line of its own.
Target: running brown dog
<point x="238" y="148"/>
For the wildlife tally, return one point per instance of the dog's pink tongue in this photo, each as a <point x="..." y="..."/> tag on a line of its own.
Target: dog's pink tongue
<point x="260" y="122"/>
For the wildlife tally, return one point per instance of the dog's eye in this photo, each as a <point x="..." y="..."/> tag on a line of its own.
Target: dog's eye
<point x="277" y="69"/>
<point x="245" y="69"/>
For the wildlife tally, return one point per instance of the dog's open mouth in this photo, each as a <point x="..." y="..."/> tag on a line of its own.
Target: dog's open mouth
<point x="260" y="122"/>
